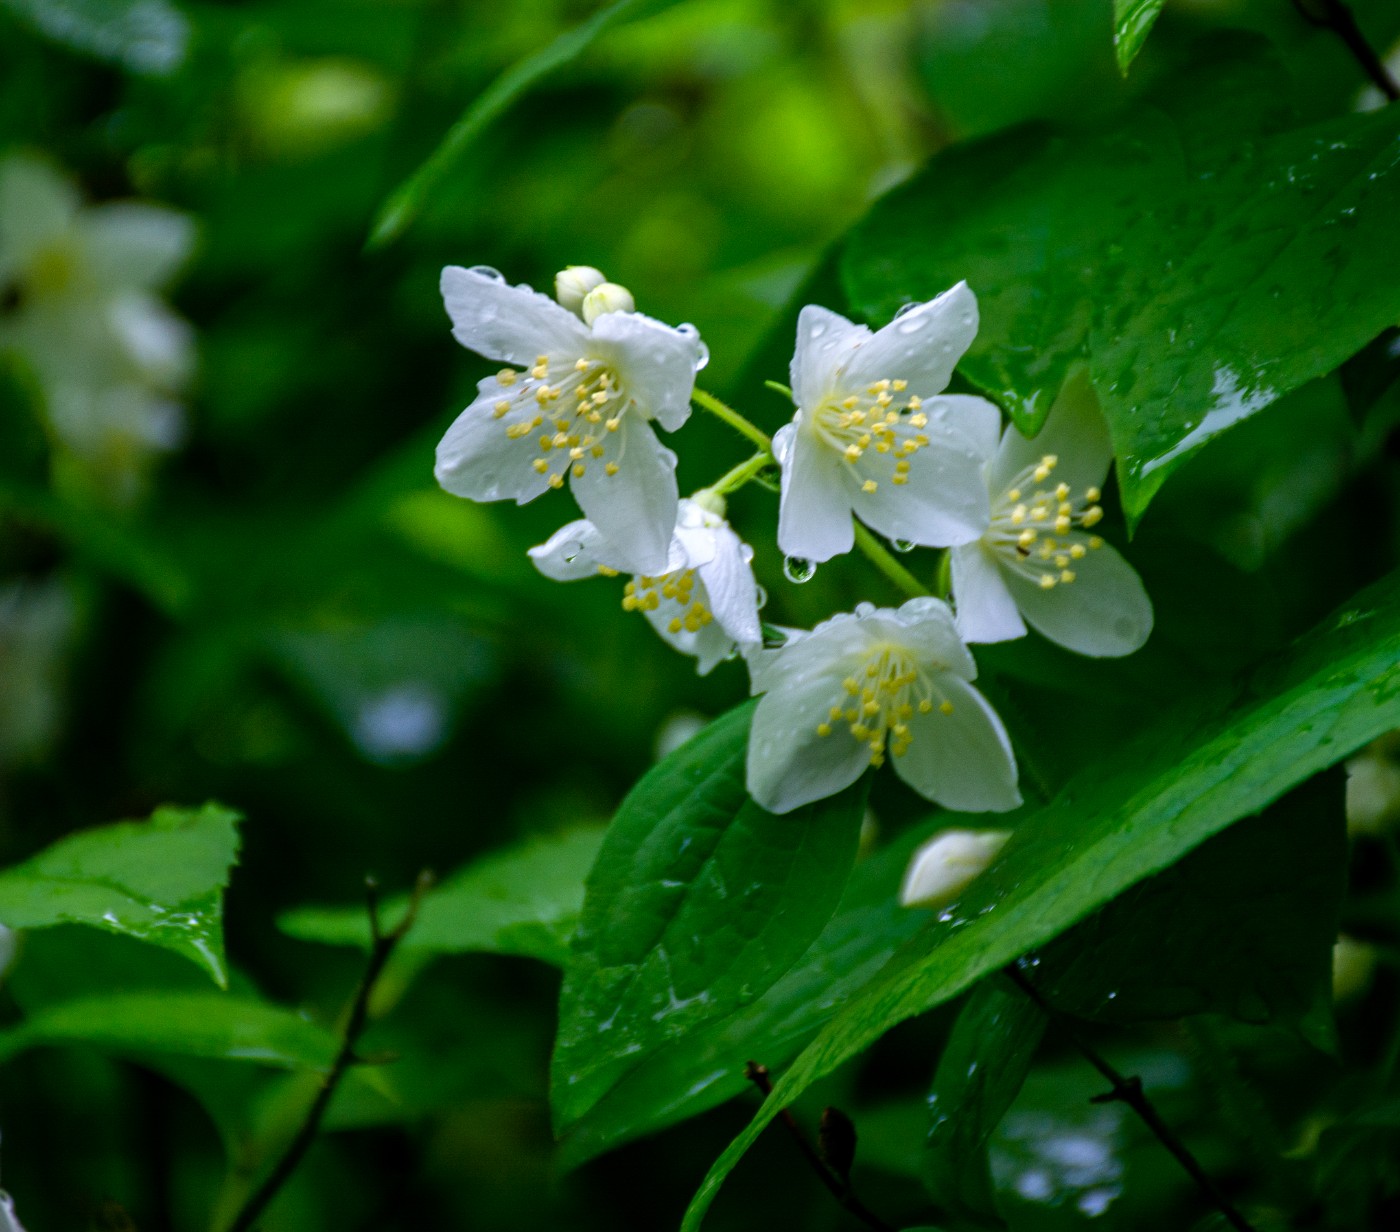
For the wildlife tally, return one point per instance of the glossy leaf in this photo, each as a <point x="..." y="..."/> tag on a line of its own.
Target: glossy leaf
<point x="1131" y="811"/>
<point x="698" y="903"/>
<point x="160" y="881"/>
<point x="1243" y="926"/>
<point x="984" y="1063"/>
<point x="212" y="1025"/>
<point x="524" y="900"/>
<point x="1132" y="23"/>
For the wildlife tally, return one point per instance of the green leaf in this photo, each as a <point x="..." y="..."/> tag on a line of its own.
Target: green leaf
<point x="1243" y="926"/>
<point x="213" y="1025"/>
<point x="1132" y="810"/>
<point x="160" y="881"/>
<point x="983" y="1065"/>
<point x="524" y="900"/>
<point x="706" y="1067"/>
<point x="698" y="903"/>
<point x="1203" y="274"/>
<point x="405" y="201"/>
<point x="141" y="36"/>
<point x="1132" y="22"/>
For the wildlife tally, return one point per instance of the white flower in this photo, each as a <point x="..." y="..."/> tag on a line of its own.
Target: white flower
<point x="704" y="601"/>
<point x="860" y="684"/>
<point x="580" y="408"/>
<point x="1035" y="563"/>
<point x="946" y="865"/>
<point x="874" y="435"/>
<point x="9" y="1221"/>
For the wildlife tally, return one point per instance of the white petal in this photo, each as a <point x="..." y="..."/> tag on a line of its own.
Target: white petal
<point x="710" y="644"/>
<point x="826" y="341"/>
<point x="654" y="362"/>
<point x="978" y="420"/>
<point x="571" y="553"/>
<point x="37" y="204"/>
<point x="927" y="627"/>
<point x="156" y="342"/>
<point x="128" y="244"/>
<point x="729" y="584"/>
<point x="635" y="509"/>
<point x="962" y="760"/>
<point x="814" y="510"/>
<point x="945" y="499"/>
<point x="1074" y="432"/>
<point x="476" y="458"/>
<point x="947" y="864"/>
<point x="512" y="324"/>
<point x="922" y="346"/>
<point x="986" y="610"/>
<point x="1104" y="612"/>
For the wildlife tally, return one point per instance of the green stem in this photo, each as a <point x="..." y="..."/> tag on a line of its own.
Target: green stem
<point x="879" y="556"/>
<point x="732" y="417"/>
<point x="734" y="479"/>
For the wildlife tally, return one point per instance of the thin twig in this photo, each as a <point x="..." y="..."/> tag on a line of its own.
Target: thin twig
<point x="1129" y="1091"/>
<point x="1338" y="17"/>
<point x="382" y="947"/>
<point x="840" y="1187"/>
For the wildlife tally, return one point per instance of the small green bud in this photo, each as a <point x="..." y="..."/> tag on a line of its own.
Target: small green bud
<point x="607" y="297"/>
<point x="711" y="502"/>
<point x="572" y="283"/>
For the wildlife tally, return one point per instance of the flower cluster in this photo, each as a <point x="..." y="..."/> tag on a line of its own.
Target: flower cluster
<point x="875" y="439"/>
<point x="79" y="308"/>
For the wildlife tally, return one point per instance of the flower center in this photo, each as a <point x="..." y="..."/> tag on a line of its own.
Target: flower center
<point x="881" y="700"/>
<point x="875" y="432"/>
<point x="1033" y="523"/>
<point x="645" y="594"/>
<point x="572" y="414"/>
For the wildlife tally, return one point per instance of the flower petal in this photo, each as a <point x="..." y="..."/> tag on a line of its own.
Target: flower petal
<point x="945" y="498"/>
<point x="814" y="510"/>
<point x="1075" y="433"/>
<point x="1104" y="612"/>
<point x="926" y="625"/>
<point x="710" y="644"/>
<point x="512" y="324"/>
<point x="571" y="553"/>
<point x="825" y="342"/>
<point x="126" y="244"/>
<point x="655" y="363"/>
<point x="922" y="346"/>
<point x="634" y="509"/>
<point x="37" y="204"/>
<point x="478" y="460"/>
<point x="987" y="611"/>
<point x="961" y="760"/>
<point x="729" y="583"/>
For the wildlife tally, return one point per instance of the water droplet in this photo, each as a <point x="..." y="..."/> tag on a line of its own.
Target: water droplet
<point x="968" y="318"/>
<point x="487" y="271"/>
<point x="702" y="358"/>
<point x="903" y="545"/>
<point x="762" y="596"/>
<point x="911" y="325"/>
<point x="798" y="569"/>
<point x="905" y="310"/>
<point x="816" y="332"/>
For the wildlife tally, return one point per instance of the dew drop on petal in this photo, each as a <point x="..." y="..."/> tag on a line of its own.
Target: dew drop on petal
<point x="487" y="271"/>
<point x="798" y="569"/>
<point x="703" y="357"/>
<point x="762" y="597"/>
<point x="913" y="325"/>
<point x="905" y="310"/>
<point x="816" y="331"/>
<point x="903" y="545"/>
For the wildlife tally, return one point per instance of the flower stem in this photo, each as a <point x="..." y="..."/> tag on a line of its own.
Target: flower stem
<point x="879" y="556"/>
<point x="719" y="410"/>
<point x="734" y="479"/>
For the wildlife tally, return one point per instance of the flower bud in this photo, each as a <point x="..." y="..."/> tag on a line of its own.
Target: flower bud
<point x="607" y="297"/>
<point x="947" y="864"/>
<point x="573" y="283"/>
<point x="710" y="501"/>
<point x="1373" y="788"/>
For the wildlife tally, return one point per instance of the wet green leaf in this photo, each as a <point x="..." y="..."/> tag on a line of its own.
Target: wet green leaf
<point x="522" y="900"/>
<point x="1131" y="811"/>
<point x="1132" y="23"/>
<point x="698" y="903"/>
<point x="160" y="881"/>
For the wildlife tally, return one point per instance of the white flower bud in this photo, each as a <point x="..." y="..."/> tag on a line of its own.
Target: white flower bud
<point x="947" y="864"/>
<point x="1373" y="788"/>
<point x="1353" y="963"/>
<point x="607" y="297"/>
<point x="573" y="283"/>
<point x="710" y="501"/>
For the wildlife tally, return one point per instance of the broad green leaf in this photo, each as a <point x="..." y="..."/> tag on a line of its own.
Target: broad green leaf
<point x="405" y="201"/>
<point x="214" y="1025"/>
<point x="1131" y="811"/>
<point x="523" y="900"/>
<point x="1132" y="22"/>
<point x="1243" y="926"/>
<point x="983" y="1065"/>
<point x="706" y="1067"/>
<point x="698" y="903"/>
<point x="160" y="881"/>
<point x="142" y="36"/>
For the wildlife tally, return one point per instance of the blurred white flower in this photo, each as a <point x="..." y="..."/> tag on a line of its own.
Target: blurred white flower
<point x="37" y="621"/>
<point x="874" y="436"/>
<point x="1373" y="787"/>
<point x="864" y="683"/>
<point x="108" y="357"/>
<point x="1034" y="562"/>
<point x="9" y="1221"/>
<point x="579" y="408"/>
<point x="704" y="601"/>
<point x="946" y="865"/>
